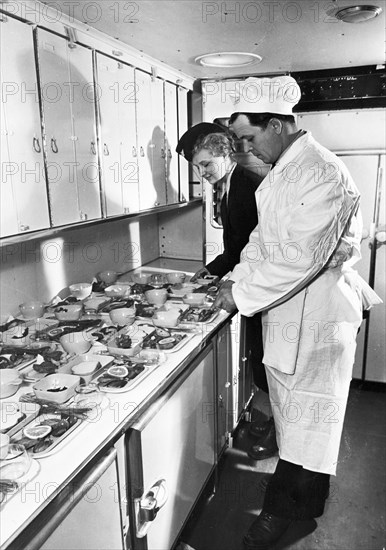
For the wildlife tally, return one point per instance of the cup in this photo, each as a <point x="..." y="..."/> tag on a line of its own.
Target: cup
<point x="175" y="277"/>
<point x="108" y="277"/>
<point x="157" y="296"/>
<point x="122" y="316"/>
<point x="32" y="309"/>
<point x="76" y="342"/>
<point x="157" y="280"/>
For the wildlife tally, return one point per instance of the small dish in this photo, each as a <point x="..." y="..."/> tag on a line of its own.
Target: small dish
<point x="182" y="289"/>
<point x="16" y="463"/>
<point x="56" y="387"/>
<point x="157" y="280"/>
<point x="157" y="296"/>
<point x="117" y="291"/>
<point x="70" y="312"/>
<point x="108" y="277"/>
<point x="167" y="318"/>
<point x="76" y="342"/>
<point x="81" y="290"/>
<point x="123" y="316"/>
<point x="176" y="277"/>
<point x="86" y="369"/>
<point x="32" y="309"/>
<point x="9" y="382"/>
<point x="141" y="278"/>
<point x="194" y="298"/>
<point x="4" y="445"/>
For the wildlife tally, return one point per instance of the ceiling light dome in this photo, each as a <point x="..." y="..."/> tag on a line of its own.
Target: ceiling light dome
<point x="358" y="14"/>
<point x="228" y="59"/>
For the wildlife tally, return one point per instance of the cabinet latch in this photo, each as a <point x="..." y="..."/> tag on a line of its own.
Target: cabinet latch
<point x="148" y="506"/>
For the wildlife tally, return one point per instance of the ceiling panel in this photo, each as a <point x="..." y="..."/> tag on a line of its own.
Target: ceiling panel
<point x="289" y="35"/>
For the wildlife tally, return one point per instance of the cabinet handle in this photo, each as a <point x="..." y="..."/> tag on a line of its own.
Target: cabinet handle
<point x="157" y="204"/>
<point x="162" y="153"/>
<point x="106" y="151"/>
<point x="134" y="151"/>
<point x="36" y="145"/>
<point x="93" y="149"/>
<point x="148" y="506"/>
<point x="169" y="153"/>
<point x="24" y="227"/>
<point x="54" y="146"/>
<point x="141" y="151"/>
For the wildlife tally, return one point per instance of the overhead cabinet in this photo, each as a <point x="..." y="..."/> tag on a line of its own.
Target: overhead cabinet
<point x="67" y="86"/>
<point x="116" y="102"/>
<point x="24" y="205"/>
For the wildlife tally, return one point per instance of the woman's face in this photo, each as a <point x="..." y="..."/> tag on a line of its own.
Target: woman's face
<point x="213" y="169"/>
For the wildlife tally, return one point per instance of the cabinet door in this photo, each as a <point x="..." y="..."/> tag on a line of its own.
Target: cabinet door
<point x="108" y="102"/>
<point x="171" y="133"/>
<point x="182" y="128"/>
<point x="91" y="512"/>
<point x="84" y="131"/>
<point x="128" y="139"/>
<point x="23" y="189"/>
<point x="224" y="387"/>
<point x="60" y="147"/>
<point x="151" y="140"/>
<point x="172" y="450"/>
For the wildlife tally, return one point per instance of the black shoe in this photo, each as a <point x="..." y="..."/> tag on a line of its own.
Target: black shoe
<point x="258" y="429"/>
<point x="266" y="446"/>
<point x="265" y="531"/>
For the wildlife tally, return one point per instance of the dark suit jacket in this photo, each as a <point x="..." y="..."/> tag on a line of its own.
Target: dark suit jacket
<point x="239" y="218"/>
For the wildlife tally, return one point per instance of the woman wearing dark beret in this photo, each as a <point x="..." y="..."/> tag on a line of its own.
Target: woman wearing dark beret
<point x="211" y="151"/>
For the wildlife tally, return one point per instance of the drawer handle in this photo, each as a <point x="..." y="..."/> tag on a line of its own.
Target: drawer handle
<point x="93" y="148"/>
<point x="36" y="145"/>
<point x="106" y="151"/>
<point x="54" y="146"/>
<point x="134" y="152"/>
<point x="141" y="151"/>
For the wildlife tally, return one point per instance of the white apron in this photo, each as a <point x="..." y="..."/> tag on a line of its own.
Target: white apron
<point x="295" y="269"/>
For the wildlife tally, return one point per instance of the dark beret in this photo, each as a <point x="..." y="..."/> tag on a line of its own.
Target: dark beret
<point x="186" y="143"/>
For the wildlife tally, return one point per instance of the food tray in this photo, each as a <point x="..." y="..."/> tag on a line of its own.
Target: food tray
<point x="21" y="482"/>
<point x="182" y="289"/>
<point x="141" y="372"/>
<point x="68" y="326"/>
<point x="137" y="333"/>
<point x="154" y="340"/>
<point x="39" y="419"/>
<point x="104" y="360"/>
<point x="193" y="311"/>
<point x="15" y="415"/>
<point x="20" y="363"/>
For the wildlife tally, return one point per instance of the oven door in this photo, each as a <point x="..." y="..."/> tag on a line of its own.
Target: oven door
<point x="170" y="454"/>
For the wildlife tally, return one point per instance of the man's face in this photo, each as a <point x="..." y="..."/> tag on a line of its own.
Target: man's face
<point x="263" y="143"/>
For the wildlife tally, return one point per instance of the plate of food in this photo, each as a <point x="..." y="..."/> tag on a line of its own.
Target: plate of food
<point x="199" y="315"/>
<point x="122" y="375"/>
<point x="167" y="340"/>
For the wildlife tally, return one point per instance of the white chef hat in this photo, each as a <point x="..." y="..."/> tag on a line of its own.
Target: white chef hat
<point x="277" y="95"/>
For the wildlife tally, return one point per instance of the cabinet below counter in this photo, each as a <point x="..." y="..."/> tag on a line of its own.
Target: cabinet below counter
<point x="171" y="420"/>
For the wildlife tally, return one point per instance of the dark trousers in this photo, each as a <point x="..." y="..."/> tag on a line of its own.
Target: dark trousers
<point x="296" y="493"/>
<point x="254" y="350"/>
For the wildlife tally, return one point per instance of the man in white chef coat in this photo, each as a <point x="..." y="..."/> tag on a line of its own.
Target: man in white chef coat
<point x="296" y="270"/>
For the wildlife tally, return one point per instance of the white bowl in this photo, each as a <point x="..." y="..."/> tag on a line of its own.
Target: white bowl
<point x="117" y="291"/>
<point x="157" y="296"/>
<point x="108" y="277"/>
<point x="32" y="309"/>
<point x="9" y="382"/>
<point x="76" y="342"/>
<point x="69" y="312"/>
<point x="184" y="288"/>
<point x="44" y="388"/>
<point x="81" y="290"/>
<point x="194" y="298"/>
<point x="122" y="316"/>
<point x="4" y="444"/>
<point x="85" y="369"/>
<point x="176" y="277"/>
<point x="141" y="278"/>
<point x="166" y="318"/>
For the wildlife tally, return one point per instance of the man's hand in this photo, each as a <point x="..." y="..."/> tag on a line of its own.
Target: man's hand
<point x="200" y="274"/>
<point x="224" y="298"/>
